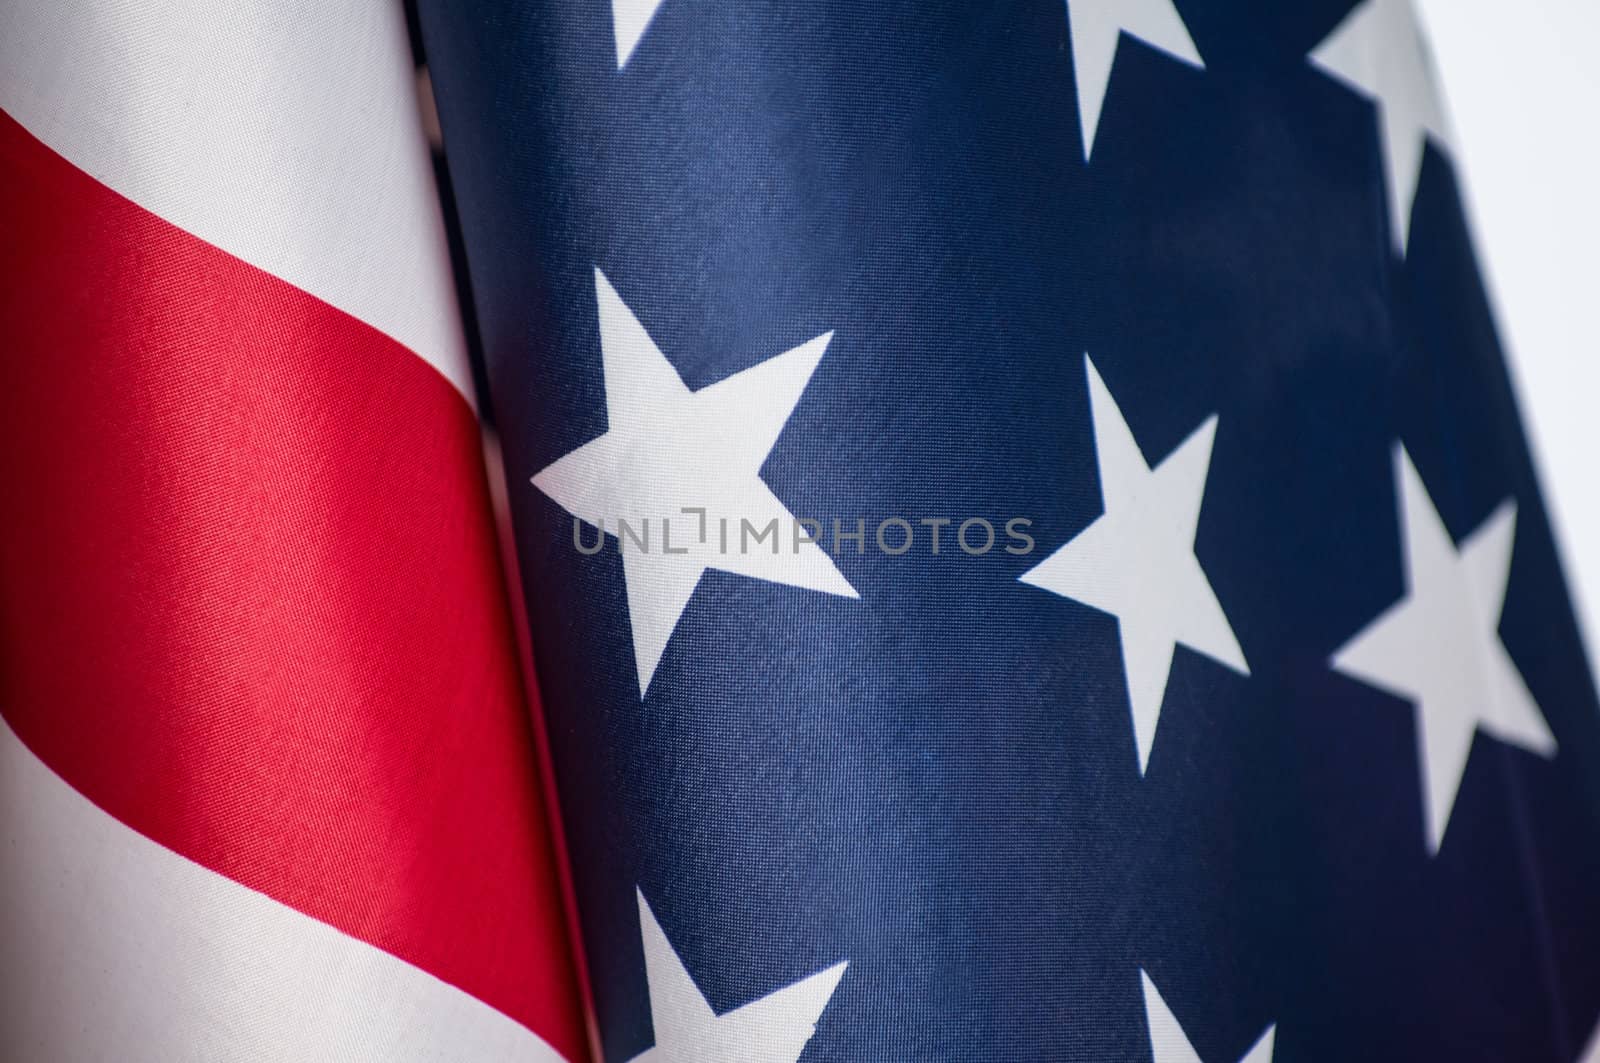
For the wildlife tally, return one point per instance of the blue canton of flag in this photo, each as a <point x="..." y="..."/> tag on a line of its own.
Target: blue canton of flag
<point x="1029" y="546"/>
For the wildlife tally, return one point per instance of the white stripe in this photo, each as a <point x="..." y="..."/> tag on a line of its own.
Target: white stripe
<point x="286" y="132"/>
<point x="116" y="949"/>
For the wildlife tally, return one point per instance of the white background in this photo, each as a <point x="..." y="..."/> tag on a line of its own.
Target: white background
<point x="1522" y="83"/>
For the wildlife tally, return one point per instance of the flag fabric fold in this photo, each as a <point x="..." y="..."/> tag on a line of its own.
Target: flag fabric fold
<point x="1027" y="536"/>
<point x="268" y="785"/>
<point x="1023" y="528"/>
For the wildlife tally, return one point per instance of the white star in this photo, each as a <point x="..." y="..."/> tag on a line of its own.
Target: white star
<point x="1137" y="560"/>
<point x="1097" y="26"/>
<point x="667" y="449"/>
<point x="1168" y="1042"/>
<point x="1379" y="52"/>
<point x="1591" y="1052"/>
<point x="1439" y="646"/>
<point x="774" y="1029"/>
<point x="629" y="20"/>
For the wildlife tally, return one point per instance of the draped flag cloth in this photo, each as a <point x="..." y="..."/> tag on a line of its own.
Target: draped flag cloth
<point x="1025" y="536"/>
<point x="1267" y="735"/>
<point x="267" y="778"/>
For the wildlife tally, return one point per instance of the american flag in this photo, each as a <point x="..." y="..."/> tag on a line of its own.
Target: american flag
<point x="1278" y="744"/>
<point x="268" y="785"/>
<point x="1025" y="536"/>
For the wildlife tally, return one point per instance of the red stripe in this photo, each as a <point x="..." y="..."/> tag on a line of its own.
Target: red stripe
<point x="249" y="597"/>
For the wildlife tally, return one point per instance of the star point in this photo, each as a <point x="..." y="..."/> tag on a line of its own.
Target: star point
<point x="772" y="1029"/>
<point x="1137" y="561"/>
<point x="1168" y="1042"/>
<point x="1378" y="51"/>
<point x="685" y="465"/>
<point x="1439" y="647"/>
<point x="629" y="20"/>
<point x="1097" y="27"/>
